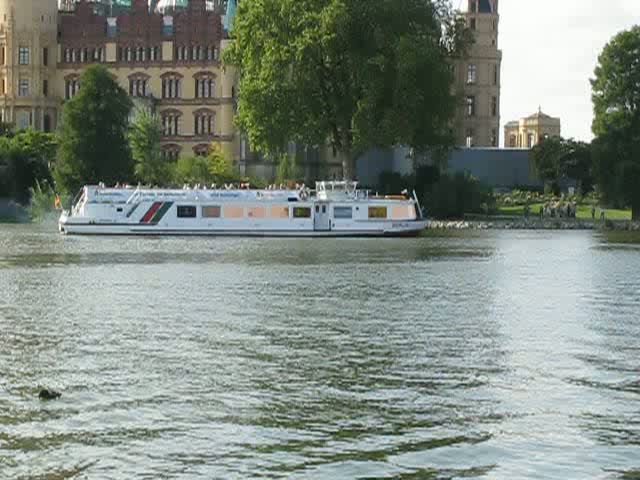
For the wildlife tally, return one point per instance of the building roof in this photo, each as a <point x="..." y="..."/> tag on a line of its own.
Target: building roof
<point x="540" y="115"/>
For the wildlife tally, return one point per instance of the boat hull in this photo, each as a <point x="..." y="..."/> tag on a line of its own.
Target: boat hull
<point x="393" y="229"/>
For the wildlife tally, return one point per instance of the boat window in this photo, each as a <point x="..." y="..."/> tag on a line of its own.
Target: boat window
<point x="119" y="209"/>
<point x="301" y="212"/>
<point x="211" y="211"/>
<point x="342" y="212"/>
<point x="324" y="209"/>
<point x="232" y="211"/>
<point x="186" y="211"/>
<point x="317" y="208"/>
<point x="256" y="212"/>
<point x="377" y="212"/>
<point x="403" y="212"/>
<point x="279" y="211"/>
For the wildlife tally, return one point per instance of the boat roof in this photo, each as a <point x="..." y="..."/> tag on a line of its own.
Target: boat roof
<point x="130" y="194"/>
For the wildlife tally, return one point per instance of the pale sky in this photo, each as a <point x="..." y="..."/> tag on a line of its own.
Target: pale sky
<point x="549" y="52"/>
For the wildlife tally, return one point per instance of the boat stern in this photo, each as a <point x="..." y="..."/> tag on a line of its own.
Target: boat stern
<point x="62" y="221"/>
<point x="406" y="228"/>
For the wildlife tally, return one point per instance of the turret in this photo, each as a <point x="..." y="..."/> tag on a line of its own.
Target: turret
<point x="33" y="15"/>
<point x="478" y="78"/>
<point x="28" y="51"/>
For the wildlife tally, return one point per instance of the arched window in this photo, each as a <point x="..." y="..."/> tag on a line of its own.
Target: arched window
<point x="204" y="122"/>
<point x="171" y="122"/>
<point x="171" y="85"/>
<point x="139" y="85"/>
<point x="201" y="150"/>
<point x="205" y="85"/>
<point x="71" y="86"/>
<point x="171" y="152"/>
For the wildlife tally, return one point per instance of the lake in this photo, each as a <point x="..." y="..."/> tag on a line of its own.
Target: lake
<point x="495" y="355"/>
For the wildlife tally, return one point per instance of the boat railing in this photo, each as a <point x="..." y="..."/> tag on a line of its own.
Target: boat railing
<point x="134" y="197"/>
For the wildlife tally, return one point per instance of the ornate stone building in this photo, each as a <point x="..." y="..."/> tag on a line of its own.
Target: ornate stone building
<point x="166" y="54"/>
<point x="168" y="61"/>
<point x="529" y="131"/>
<point x="28" y="61"/>
<point x="478" y="79"/>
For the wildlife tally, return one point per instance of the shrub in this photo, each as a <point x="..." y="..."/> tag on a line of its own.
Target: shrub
<point x="454" y="195"/>
<point x="43" y="203"/>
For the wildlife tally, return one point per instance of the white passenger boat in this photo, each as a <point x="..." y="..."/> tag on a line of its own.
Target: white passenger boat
<point x="333" y="209"/>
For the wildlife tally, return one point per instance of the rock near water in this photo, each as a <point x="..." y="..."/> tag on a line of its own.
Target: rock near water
<point x="47" y="394"/>
<point x="532" y="224"/>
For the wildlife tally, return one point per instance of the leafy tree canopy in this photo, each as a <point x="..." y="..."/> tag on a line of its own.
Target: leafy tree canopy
<point x="93" y="143"/>
<point x="616" y="123"/>
<point x="359" y="74"/>
<point x="192" y="170"/>
<point x="220" y="166"/>
<point x="214" y="168"/>
<point x="25" y="158"/>
<point x="145" y="134"/>
<point x="556" y="157"/>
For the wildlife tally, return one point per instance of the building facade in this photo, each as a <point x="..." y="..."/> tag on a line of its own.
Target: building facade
<point x="167" y="55"/>
<point x="28" y="61"/>
<point x="168" y="61"/>
<point x="478" y="79"/>
<point x="529" y="131"/>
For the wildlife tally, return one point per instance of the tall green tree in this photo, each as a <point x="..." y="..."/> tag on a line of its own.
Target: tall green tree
<point x="25" y="160"/>
<point x="545" y="158"/>
<point x="93" y="143"/>
<point x="556" y="157"/>
<point x="220" y="166"/>
<point x="616" y="122"/>
<point x="358" y="74"/>
<point x="192" y="170"/>
<point x="145" y="134"/>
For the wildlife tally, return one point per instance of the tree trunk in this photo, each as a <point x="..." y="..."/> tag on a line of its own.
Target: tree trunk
<point x="348" y="165"/>
<point x="635" y="212"/>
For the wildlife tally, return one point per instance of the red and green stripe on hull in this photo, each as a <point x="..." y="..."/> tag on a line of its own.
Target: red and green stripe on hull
<point x="156" y="212"/>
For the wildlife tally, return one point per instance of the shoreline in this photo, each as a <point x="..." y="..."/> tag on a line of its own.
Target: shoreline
<point x="534" y="224"/>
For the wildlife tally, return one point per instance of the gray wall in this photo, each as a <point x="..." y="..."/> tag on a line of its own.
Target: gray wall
<point x="499" y="168"/>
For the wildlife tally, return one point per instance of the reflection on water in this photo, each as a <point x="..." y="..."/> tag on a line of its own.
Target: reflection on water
<point x="497" y="355"/>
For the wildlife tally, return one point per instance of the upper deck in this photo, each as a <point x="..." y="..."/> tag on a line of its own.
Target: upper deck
<point x="129" y="195"/>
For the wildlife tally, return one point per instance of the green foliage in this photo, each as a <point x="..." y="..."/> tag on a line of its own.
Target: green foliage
<point x="442" y="195"/>
<point x="452" y="196"/>
<point x="25" y="159"/>
<point x="255" y="182"/>
<point x="616" y="123"/>
<point x="42" y="204"/>
<point x="287" y="169"/>
<point x="192" y="170"/>
<point x="555" y="158"/>
<point x="145" y="134"/>
<point x="214" y="168"/>
<point x="220" y="166"/>
<point x="93" y="137"/>
<point x="358" y="74"/>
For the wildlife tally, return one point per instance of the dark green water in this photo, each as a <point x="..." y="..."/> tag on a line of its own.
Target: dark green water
<point x="501" y="355"/>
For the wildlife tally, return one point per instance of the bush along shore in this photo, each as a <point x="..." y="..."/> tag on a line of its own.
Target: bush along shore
<point x="533" y="224"/>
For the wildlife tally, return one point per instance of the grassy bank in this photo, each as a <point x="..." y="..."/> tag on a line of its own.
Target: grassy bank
<point x="621" y="236"/>
<point x="583" y="212"/>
